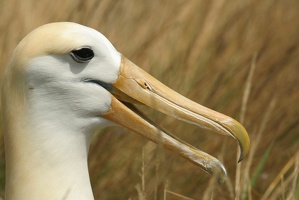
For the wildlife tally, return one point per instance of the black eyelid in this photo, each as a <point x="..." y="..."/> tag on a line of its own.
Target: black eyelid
<point x="82" y="54"/>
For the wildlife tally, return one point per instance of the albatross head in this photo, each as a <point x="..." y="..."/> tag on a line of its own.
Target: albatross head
<point x="64" y="81"/>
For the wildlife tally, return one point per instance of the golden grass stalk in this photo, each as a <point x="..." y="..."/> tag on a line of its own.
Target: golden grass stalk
<point x="141" y="188"/>
<point x="175" y="194"/>
<point x="280" y="177"/>
<point x="246" y="182"/>
<point x="245" y="98"/>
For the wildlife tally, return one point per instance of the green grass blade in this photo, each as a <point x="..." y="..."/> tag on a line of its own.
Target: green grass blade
<point x="261" y="165"/>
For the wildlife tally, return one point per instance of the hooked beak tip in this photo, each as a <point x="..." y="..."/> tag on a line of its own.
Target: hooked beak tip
<point x="240" y="134"/>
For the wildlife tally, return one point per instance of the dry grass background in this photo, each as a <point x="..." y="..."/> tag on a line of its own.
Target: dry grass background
<point x="204" y="50"/>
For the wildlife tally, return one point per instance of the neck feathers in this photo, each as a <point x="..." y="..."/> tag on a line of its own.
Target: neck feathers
<point x="42" y="162"/>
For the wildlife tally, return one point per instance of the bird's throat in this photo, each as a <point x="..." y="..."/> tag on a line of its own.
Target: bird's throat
<point x="56" y="163"/>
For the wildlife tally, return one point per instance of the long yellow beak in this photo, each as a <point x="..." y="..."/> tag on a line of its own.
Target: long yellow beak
<point x="135" y="85"/>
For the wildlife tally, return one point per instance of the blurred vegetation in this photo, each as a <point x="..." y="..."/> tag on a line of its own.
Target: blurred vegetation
<point x="204" y="50"/>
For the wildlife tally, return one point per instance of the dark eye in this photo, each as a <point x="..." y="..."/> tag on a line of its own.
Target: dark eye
<point x="83" y="54"/>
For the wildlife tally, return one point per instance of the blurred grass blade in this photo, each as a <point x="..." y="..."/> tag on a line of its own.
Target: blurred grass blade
<point x="261" y="165"/>
<point x="297" y="191"/>
<point x="295" y="186"/>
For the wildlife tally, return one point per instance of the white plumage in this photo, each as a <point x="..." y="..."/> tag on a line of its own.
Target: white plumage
<point x="63" y="82"/>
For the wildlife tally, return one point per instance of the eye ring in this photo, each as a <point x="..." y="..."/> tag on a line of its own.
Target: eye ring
<point x="82" y="54"/>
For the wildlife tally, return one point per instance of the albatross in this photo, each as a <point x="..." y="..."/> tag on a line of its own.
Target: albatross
<point x="63" y="82"/>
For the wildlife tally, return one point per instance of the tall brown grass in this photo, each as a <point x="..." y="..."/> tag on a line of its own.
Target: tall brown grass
<point x="205" y="50"/>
